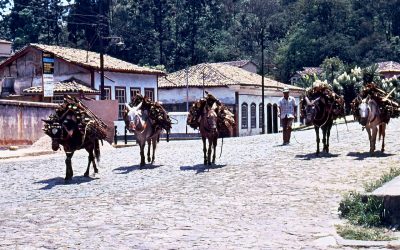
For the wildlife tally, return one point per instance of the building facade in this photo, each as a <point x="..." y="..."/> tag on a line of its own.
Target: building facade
<point x="77" y="72"/>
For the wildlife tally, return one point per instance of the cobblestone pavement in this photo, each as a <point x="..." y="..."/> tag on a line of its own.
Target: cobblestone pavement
<point x="260" y="195"/>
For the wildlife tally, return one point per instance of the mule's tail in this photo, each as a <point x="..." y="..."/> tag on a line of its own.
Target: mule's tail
<point x="97" y="150"/>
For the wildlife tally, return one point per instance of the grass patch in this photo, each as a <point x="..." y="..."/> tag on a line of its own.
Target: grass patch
<point x="393" y="172"/>
<point x="365" y="213"/>
<point x="352" y="232"/>
<point x="361" y="210"/>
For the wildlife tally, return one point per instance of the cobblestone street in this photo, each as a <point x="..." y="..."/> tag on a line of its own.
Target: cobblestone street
<point x="260" y="195"/>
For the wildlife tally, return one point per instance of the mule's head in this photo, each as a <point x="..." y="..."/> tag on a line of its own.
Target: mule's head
<point x="310" y="110"/>
<point x="210" y="118"/>
<point x="134" y="119"/>
<point x="363" y="111"/>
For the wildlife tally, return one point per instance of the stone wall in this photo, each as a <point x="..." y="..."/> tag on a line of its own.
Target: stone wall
<point x="21" y="122"/>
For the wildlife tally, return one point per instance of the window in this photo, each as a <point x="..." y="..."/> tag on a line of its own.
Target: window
<point x="107" y="92"/>
<point x="120" y="95"/>
<point x="261" y="114"/>
<point x="253" y="115"/>
<point x="149" y="93"/>
<point x="58" y="99"/>
<point x="245" y="116"/>
<point x="134" y="92"/>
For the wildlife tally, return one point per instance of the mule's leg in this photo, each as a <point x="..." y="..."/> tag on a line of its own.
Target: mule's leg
<point x="68" y="163"/>
<point x="382" y="133"/>
<point x="209" y="150"/>
<point x="154" y="150"/>
<point x="214" y="148"/>
<point x="90" y="159"/>
<point x="142" y="158"/>
<point x="148" y="150"/>
<point x="317" y="135"/>
<point x="373" y="140"/>
<point x="323" y="129"/>
<point x="204" y="150"/>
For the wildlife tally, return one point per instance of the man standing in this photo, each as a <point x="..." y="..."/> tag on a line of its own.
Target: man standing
<point x="287" y="110"/>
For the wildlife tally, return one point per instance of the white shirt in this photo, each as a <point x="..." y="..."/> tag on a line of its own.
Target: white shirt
<point x="287" y="107"/>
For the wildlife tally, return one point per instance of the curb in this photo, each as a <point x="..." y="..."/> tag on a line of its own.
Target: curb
<point x="27" y="154"/>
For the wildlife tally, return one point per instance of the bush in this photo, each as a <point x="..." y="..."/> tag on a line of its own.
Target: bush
<point x="361" y="210"/>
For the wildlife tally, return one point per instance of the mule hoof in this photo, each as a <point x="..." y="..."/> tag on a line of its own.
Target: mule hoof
<point x="96" y="171"/>
<point x="86" y="174"/>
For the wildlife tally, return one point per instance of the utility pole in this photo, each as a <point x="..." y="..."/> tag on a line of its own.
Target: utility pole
<point x="262" y="82"/>
<point x="102" y="92"/>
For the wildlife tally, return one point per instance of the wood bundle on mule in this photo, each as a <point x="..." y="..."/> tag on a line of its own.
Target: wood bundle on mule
<point x="388" y="108"/>
<point x="158" y="115"/>
<point x="334" y="100"/>
<point x="72" y="115"/>
<point x="225" y="121"/>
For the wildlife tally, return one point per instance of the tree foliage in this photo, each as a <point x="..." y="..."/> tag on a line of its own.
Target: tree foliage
<point x="296" y="33"/>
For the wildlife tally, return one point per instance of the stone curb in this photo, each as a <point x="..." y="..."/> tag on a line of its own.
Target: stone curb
<point x="38" y="153"/>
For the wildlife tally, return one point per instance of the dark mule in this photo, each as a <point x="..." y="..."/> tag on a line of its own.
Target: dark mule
<point x="319" y="112"/>
<point x="370" y="118"/>
<point x="138" y="122"/>
<point x="208" y="130"/>
<point x="69" y="136"/>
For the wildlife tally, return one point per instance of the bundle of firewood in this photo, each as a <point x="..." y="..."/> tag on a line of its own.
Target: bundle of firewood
<point x="389" y="108"/>
<point x="157" y="113"/>
<point x="74" y="115"/>
<point x="322" y="89"/>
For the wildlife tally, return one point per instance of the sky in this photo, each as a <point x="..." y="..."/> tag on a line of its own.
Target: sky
<point x="12" y="2"/>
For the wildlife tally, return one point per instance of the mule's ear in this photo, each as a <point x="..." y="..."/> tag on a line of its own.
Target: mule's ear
<point x="214" y="106"/>
<point x="308" y="101"/>
<point x="139" y="105"/>
<point x="128" y="107"/>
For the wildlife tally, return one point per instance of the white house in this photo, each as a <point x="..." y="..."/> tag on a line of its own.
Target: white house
<point x="237" y="88"/>
<point x="5" y="49"/>
<point x="76" y="72"/>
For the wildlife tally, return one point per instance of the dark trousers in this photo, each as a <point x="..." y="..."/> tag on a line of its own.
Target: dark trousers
<point x="287" y="128"/>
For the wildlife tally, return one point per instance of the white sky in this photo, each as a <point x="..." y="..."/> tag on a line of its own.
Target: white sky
<point x="63" y="2"/>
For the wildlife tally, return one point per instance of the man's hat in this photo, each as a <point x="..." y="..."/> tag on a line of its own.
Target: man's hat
<point x="285" y="90"/>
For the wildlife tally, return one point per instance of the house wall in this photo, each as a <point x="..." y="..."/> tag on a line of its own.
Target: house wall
<point x="178" y="95"/>
<point x="21" y="122"/>
<point x="5" y="50"/>
<point x="126" y="81"/>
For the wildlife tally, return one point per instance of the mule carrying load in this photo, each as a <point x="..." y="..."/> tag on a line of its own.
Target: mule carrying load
<point x="225" y="118"/>
<point x="320" y="107"/>
<point x="157" y="114"/>
<point x="387" y="107"/>
<point x="74" y="126"/>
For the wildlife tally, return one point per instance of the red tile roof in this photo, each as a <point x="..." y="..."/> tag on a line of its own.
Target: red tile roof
<point x="389" y="66"/>
<point x="218" y="75"/>
<point x="87" y="59"/>
<point x="65" y="87"/>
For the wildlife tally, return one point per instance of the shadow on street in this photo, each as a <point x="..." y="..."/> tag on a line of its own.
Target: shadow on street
<point x="314" y="156"/>
<point x="359" y="156"/>
<point x="61" y="181"/>
<point x="128" y="169"/>
<point x="201" y="168"/>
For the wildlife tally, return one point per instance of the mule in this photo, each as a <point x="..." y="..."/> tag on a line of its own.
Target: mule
<point x="72" y="139"/>
<point x="370" y="118"/>
<point x="209" y="131"/>
<point x="318" y="112"/>
<point x="138" y="122"/>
